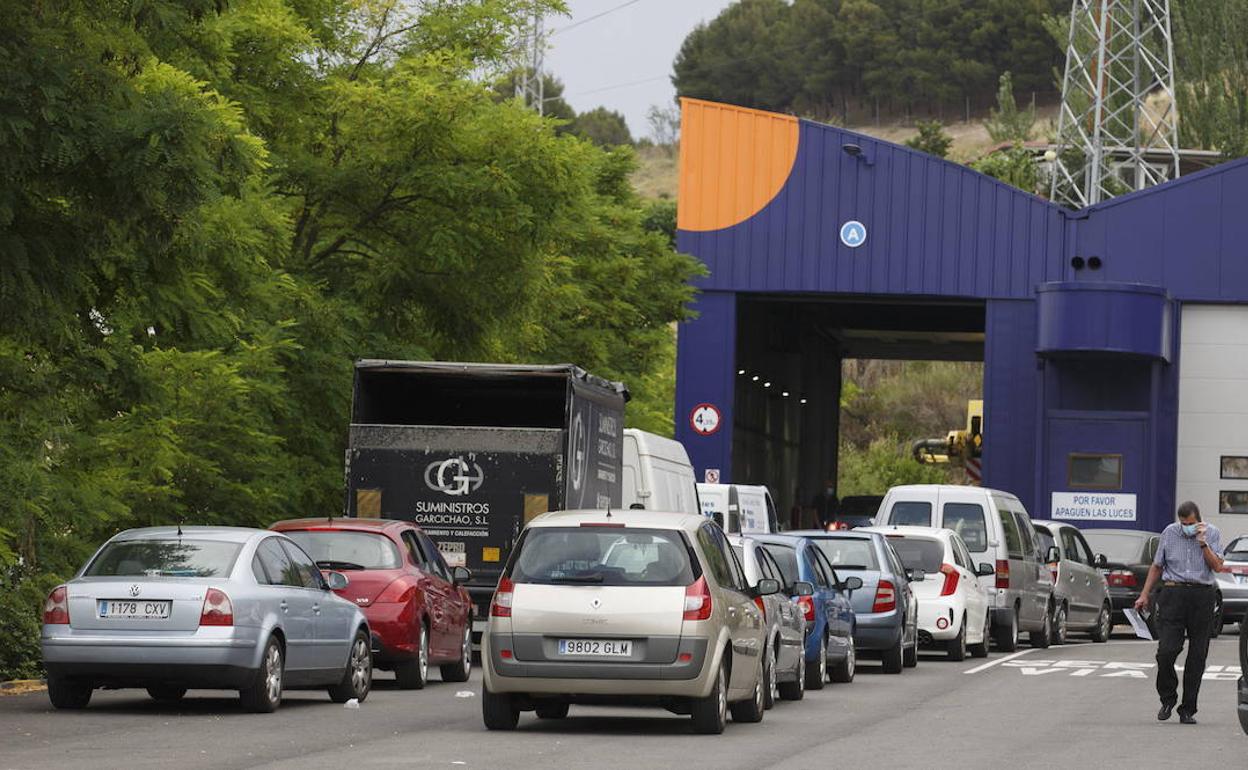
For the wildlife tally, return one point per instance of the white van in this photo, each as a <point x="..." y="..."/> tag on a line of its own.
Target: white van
<point x="739" y="508"/>
<point x="998" y="532"/>
<point x="657" y="474"/>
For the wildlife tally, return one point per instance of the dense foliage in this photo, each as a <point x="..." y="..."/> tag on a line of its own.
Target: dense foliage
<point x="1211" y="48"/>
<point x="209" y="208"/>
<point x="814" y="56"/>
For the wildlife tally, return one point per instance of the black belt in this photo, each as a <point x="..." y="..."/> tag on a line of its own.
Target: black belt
<point x="1174" y="584"/>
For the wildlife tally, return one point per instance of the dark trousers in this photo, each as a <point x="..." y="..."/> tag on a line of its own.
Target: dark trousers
<point x="1183" y="611"/>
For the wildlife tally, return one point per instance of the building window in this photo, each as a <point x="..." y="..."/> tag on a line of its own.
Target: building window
<point x="1234" y="467"/>
<point x="1233" y="502"/>
<point x="1093" y="471"/>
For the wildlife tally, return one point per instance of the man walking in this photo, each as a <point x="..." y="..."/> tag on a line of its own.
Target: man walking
<point x="1189" y="554"/>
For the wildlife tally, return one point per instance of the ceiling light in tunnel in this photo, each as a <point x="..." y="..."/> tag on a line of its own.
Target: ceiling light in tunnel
<point x="785" y="394"/>
<point x="766" y="384"/>
<point x="754" y="378"/>
<point x="803" y="401"/>
<point x="740" y="372"/>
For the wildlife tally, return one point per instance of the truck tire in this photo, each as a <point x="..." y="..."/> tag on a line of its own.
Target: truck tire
<point x="498" y="710"/>
<point x="710" y="714"/>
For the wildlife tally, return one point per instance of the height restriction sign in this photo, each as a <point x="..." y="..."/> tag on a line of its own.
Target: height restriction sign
<point x="704" y="419"/>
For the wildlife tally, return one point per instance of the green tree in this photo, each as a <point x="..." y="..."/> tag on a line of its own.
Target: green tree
<point x="931" y="139"/>
<point x="1211" y="48"/>
<point x="1007" y="123"/>
<point x="603" y="127"/>
<point x="1015" y="165"/>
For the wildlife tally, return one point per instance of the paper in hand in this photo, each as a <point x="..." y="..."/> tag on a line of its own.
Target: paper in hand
<point x="1138" y="624"/>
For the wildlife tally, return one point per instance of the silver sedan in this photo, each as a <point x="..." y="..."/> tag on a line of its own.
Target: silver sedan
<point x="169" y="608"/>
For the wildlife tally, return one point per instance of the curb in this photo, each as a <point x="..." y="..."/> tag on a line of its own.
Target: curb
<point x="17" y="686"/>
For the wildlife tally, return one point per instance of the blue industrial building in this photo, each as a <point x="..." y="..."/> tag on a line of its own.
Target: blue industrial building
<point x="1115" y="347"/>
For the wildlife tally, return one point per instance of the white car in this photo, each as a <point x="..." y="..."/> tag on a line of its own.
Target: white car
<point x="953" y="605"/>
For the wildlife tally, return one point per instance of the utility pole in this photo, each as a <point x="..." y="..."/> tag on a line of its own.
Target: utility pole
<point x="1118" y="129"/>
<point x="530" y="78"/>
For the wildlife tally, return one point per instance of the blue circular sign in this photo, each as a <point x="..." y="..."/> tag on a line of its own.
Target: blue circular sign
<point x="853" y="234"/>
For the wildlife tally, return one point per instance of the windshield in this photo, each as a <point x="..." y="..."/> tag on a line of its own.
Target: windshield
<point x="1046" y="539"/>
<point x="344" y="549"/>
<point x="164" y="558"/>
<point x="849" y="552"/>
<point x="1125" y="548"/>
<point x="911" y="513"/>
<point x="604" y="556"/>
<point x="919" y="553"/>
<point x="786" y="560"/>
<point x="1238" y="550"/>
<point x="967" y="519"/>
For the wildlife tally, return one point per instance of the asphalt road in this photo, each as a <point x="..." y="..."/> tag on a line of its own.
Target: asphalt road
<point x="1081" y="704"/>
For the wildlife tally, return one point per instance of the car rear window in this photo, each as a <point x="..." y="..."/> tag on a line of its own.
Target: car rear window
<point x="786" y="560"/>
<point x="1119" y="548"/>
<point x="1046" y="539"/>
<point x="164" y="558"/>
<point x="341" y="549"/>
<point x="919" y="552"/>
<point x="1238" y="550"/>
<point x="911" y="513"/>
<point x="1013" y="541"/>
<point x="967" y="519"/>
<point x="849" y="552"/>
<point x="603" y="556"/>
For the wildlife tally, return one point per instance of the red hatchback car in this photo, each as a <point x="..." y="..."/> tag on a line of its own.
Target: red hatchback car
<point x="416" y="606"/>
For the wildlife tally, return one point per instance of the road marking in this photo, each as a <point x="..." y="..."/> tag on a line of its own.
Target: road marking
<point x="999" y="661"/>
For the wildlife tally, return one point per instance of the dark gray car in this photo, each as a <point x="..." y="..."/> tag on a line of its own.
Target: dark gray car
<point x="885" y="608"/>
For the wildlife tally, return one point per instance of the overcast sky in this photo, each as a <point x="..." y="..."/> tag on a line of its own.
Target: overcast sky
<point x="638" y="42"/>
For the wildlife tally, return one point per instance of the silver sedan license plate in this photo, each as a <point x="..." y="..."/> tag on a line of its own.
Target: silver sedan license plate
<point x="137" y="609"/>
<point x="612" y="648"/>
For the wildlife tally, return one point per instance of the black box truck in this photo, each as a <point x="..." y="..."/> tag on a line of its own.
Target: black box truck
<point x="471" y="452"/>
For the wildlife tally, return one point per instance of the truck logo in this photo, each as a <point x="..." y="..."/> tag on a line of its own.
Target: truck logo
<point x="577" y="452"/>
<point x="455" y="476"/>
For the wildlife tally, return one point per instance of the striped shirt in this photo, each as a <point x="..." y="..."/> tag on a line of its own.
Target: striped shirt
<point x="1181" y="558"/>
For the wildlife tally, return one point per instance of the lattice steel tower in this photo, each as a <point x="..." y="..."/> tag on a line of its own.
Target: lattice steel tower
<point x="1118" y="130"/>
<point x="530" y="76"/>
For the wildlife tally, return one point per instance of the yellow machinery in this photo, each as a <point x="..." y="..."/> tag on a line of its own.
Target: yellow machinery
<point x="961" y="447"/>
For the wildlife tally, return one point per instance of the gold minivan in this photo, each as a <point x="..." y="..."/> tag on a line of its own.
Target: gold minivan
<point x="629" y="608"/>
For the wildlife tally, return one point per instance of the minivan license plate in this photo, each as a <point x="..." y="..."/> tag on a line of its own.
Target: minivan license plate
<point x="601" y="647"/>
<point x="134" y="608"/>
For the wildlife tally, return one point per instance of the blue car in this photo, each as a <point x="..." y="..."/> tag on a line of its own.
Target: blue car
<point x="830" y="622"/>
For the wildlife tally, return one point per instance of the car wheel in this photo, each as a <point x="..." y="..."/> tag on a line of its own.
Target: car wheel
<point x="751" y="710"/>
<point x="710" y="714"/>
<point x="69" y="693"/>
<point x="1217" y="619"/>
<point x="166" y="693"/>
<point x="770" y="694"/>
<point x="795" y="690"/>
<point x="1006" y="637"/>
<point x="498" y="710"/>
<point x="1059" y="624"/>
<point x="843" y="672"/>
<point x="1044" y="637"/>
<point x="460" y="670"/>
<point x="817" y="670"/>
<point x="981" y="650"/>
<point x="414" y="674"/>
<point x="911" y="658"/>
<point x="894" y="657"/>
<point x="552" y="710"/>
<point x="956" y="649"/>
<point x="265" y="693"/>
<point x="1103" y="625"/>
<point x="357" y="679"/>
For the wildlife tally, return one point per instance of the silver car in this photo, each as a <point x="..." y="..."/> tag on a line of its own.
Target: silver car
<point x="1080" y="593"/>
<point x="1233" y="586"/>
<point x="169" y="608"/>
<point x="784" y="659"/>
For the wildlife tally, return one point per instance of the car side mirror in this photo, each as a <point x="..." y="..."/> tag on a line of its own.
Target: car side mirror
<point x="1101" y="561"/>
<point x="916" y="575"/>
<point x="851" y="583"/>
<point x="1052" y="555"/>
<point x="335" y="581"/>
<point x="985" y="569"/>
<point x="461" y="575"/>
<point x="767" y="587"/>
<point x="803" y="588"/>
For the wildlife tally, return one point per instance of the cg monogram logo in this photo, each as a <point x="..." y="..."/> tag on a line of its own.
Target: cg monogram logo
<point x="454" y="477"/>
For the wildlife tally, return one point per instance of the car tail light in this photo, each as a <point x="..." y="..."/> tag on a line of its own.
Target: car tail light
<point x="501" y="606"/>
<point x="698" y="600"/>
<point x="1003" y="573"/>
<point x="807" y="603"/>
<point x="56" y="608"/>
<point x="218" y="611"/>
<point x="1121" y="578"/>
<point x="951" y="580"/>
<point x="885" y="597"/>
